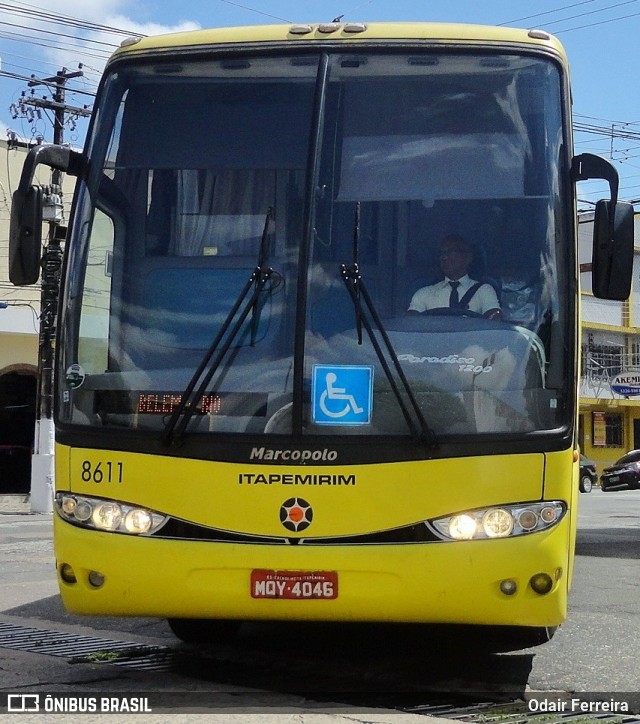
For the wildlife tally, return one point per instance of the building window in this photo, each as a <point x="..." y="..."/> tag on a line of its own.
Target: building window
<point x="608" y="429"/>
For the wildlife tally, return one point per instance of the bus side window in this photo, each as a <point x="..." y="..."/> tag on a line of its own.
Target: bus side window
<point x="93" y="338"/>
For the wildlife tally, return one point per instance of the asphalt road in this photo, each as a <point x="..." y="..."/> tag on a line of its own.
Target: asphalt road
<point x="597" y="649"/>
<point x="595" y="652"/>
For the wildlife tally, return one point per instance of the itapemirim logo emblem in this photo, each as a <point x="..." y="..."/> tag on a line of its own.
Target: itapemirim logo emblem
<point x="296" y="514"/>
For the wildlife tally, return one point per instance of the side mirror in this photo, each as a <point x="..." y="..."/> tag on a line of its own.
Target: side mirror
<point x="612" y="256"/>
<point x="25" y="232"/>
<point x="612" y="251"/>
<point x="25" y="236"/>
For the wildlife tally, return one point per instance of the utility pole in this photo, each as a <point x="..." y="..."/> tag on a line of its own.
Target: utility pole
<point x="42" y="462"/>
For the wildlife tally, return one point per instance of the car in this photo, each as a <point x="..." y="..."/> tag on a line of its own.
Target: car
<point x="624" y="473"/>
<point x="588" y="474"/>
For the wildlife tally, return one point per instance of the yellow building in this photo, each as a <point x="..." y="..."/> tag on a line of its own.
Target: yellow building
<point x="610" y="378"/>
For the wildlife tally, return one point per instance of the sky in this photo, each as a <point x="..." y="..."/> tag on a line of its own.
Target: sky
<point x="601" y="37"/>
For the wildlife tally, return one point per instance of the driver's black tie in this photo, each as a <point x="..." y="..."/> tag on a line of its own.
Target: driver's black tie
<point x="454" y="299"/>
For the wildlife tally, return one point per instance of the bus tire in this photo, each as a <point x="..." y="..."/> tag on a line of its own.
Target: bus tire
<point x="513" y="638"/>
<point x="204" y="630"/>
<point x="527" y="636"/>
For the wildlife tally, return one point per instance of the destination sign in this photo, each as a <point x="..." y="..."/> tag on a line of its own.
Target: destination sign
<point x="157" y="402"/>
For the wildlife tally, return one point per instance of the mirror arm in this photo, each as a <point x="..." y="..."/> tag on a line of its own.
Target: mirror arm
<point x="588" y="166"/>
<point x="61" y="158"/>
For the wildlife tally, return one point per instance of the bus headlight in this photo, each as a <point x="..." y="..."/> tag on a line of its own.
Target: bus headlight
<point x="505" y="521"/>
<point x="462" y="527"/>
<point x="107" y="515"/>
<point x="80" y="510"/>
<point x="497" y="523"/>
<point x="138" y="520"/>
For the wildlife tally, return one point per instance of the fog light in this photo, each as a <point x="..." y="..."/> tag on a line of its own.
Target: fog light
<point x="508" y="587"/>
<point x="541" y="583"/>
<point x="96" y="579"/>
<point x="67" y="574"/>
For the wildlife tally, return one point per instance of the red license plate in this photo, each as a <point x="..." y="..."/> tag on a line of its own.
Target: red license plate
<point x="301" y="585"/>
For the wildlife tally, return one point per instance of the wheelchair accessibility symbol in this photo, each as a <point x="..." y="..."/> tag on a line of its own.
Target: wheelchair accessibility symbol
<point x="342" y="395"/>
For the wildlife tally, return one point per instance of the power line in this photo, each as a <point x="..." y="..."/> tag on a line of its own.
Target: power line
<point x="548" y="12"/>
<point x="606" y="120"/>
<point x="591" y="12"/>
<point x="6" y="55"/>
<point x="59" y="34"/>
<point x="60" y="19"/>
<point x="31" y="78"/>
<point x="353" y="10"/>
<point x="17" y="37"/>
<point x="253" y="10"/>
<point x="575" y="17"/>
<point x="593" y="25"/>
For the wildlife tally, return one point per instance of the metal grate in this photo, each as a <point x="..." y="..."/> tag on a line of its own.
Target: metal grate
<point x="88" y="649"/>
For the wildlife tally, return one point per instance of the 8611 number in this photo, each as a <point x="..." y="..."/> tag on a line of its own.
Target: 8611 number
<point x="102" y="472"/>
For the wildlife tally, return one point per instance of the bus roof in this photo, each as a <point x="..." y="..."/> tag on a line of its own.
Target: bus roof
<point x="301" y="33"/>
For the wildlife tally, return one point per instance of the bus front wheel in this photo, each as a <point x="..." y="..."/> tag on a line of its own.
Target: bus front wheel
<point x="513" y="638"/>
<point x="204" y="630"/>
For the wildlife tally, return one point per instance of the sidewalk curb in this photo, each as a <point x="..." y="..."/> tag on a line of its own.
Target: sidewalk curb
<point x="12" y="504"/>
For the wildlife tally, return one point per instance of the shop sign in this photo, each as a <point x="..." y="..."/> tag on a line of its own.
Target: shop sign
<point x="599" y="429"/>
<point x="627" y="384"/>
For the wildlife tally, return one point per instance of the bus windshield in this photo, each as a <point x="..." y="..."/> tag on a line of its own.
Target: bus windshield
<point x="362" y="183"/>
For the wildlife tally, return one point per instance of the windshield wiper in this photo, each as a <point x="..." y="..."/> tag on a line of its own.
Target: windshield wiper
<point x="188" y="405"/>
<point x="358" y="291"/>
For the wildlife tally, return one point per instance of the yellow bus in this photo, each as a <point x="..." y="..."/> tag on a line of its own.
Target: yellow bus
<point x="250" y="423"/>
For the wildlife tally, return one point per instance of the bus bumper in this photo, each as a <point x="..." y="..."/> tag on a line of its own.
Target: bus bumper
<point x="456" y="582"/>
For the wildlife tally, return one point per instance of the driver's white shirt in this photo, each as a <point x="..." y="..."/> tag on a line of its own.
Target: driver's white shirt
<point x="437" y="296"/>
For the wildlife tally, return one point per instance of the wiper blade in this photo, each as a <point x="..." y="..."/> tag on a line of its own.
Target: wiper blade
<point x="357" y="290"/>
<point x="357" y="282"/>
<point x="263" y="257"/>
<point x="188" y="405"/>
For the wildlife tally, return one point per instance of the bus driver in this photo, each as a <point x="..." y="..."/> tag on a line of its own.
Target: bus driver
<point x="457" y="290"/>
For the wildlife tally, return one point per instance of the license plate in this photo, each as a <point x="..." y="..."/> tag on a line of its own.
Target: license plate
<point x="300" y="585"/>
<point x="614" y="478"/>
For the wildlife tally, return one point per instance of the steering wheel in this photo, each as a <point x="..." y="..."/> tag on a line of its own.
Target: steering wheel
<point x="451" y="312"/>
